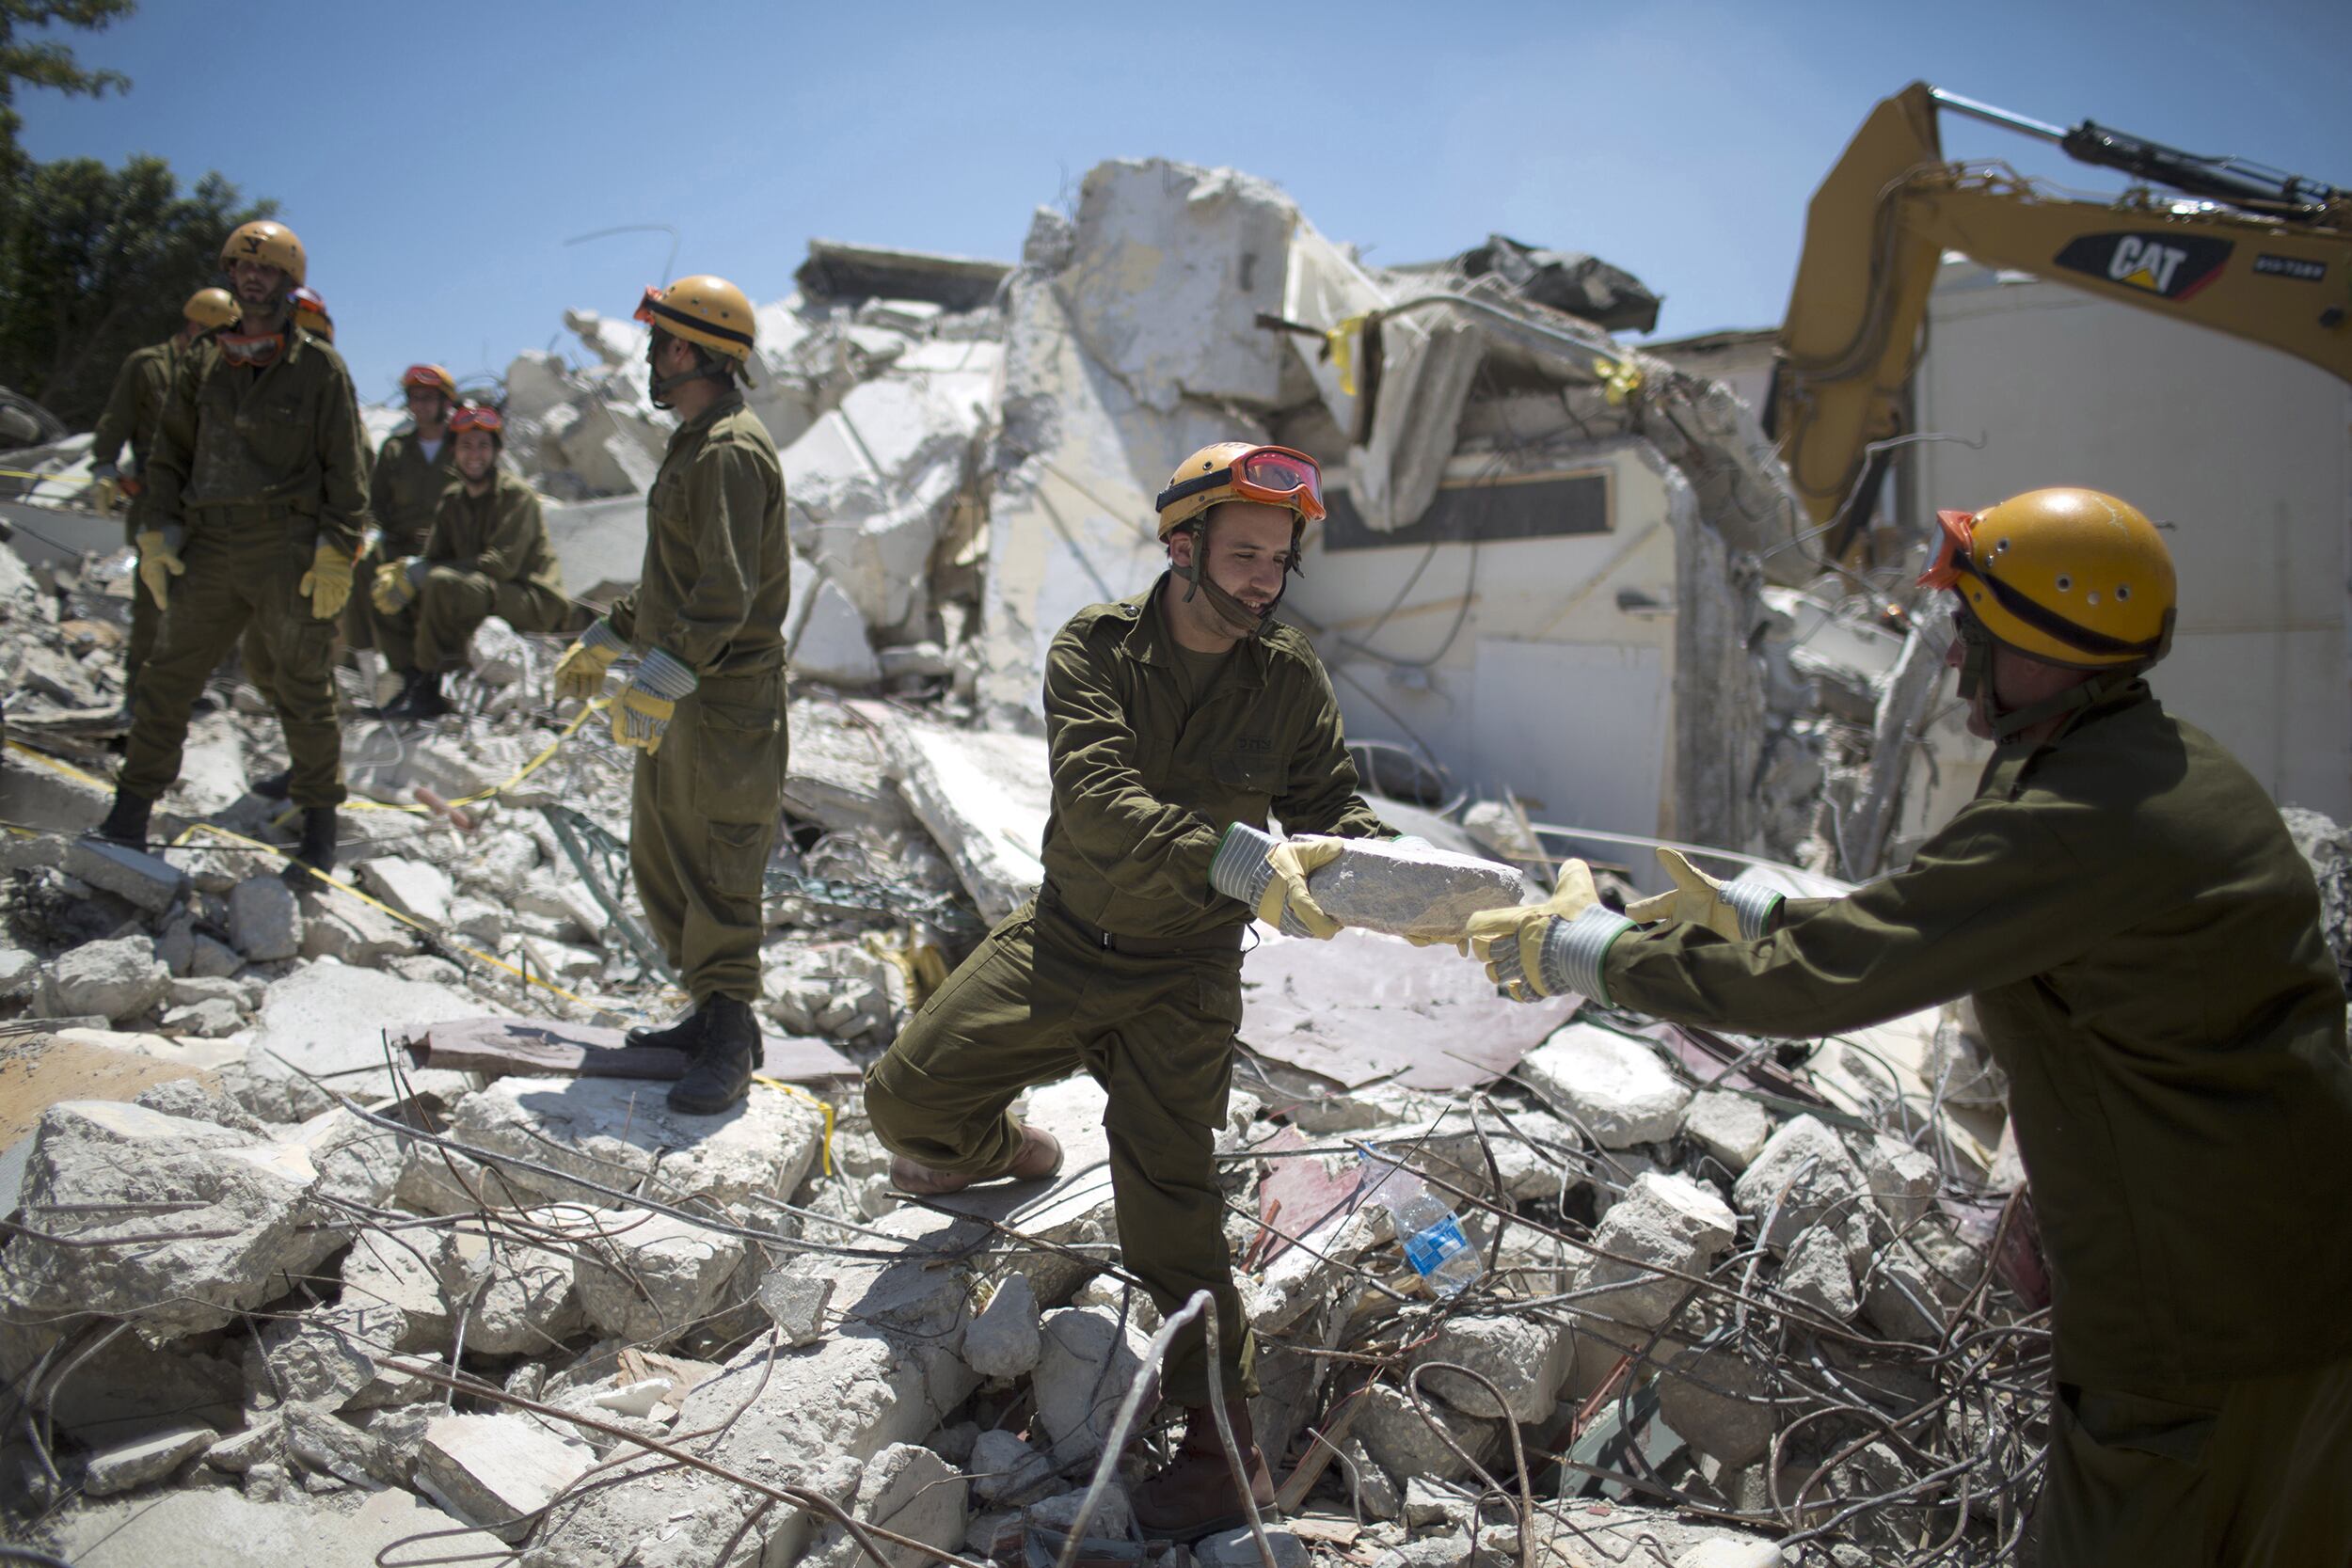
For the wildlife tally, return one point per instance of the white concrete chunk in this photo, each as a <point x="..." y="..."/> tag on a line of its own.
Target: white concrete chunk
<point x="906" y="1488"/>
<point x="1731" y="1127"/>
<point x="146" y="880"/>
<point x="490" y="1469"/>
<point x="1005" y="1339"/>
<point x="1807" y="1172"/>
<point x="1816" y="1272"/>
<point x="1901" y="1181"/>
<point x="1412" y="892"/>
<point x="1618" y="1087"/>
<point x="1527" y="1359"/>
<point x="681" y="1272"/>
<point x="1667" y="1221"/>
<point x="149" y="1458"/>
<point x="984" y="797"/>
<point x="114" y="979"/>
<point x="1238" y="1548"/>
<point x="1083" y="1368"/>
<point x="417" y="889"/>
<point x="265" y="919"/>
<point x="832" y="647"/>
<point x="795" y="1302"/>
<point x="1401" y="1443"/>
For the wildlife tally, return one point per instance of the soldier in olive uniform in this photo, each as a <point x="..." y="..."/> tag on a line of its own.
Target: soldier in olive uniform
<point x="488" y="555"/>
<point x="254" y="506"/>
<point x="412" y="469"/>
<point x="705" y="704"/>
<point x="1176" y="721"/>
<point x="2142" y="941"/>
<point x="133" y="409"/>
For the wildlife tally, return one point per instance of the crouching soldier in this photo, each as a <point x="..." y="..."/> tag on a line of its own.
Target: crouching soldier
<point x="487" y="555"/>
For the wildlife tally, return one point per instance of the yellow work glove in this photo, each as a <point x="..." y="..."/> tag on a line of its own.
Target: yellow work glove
<point x="394" y="585"/>
<point x="105" y="489"/>
<point x="1510" y="941"/>
<point x="580" y="673"/>
<point x="159" y="560"/>
<point x="329" y="581"/>
<point x="641" y="713"/>
<point x="1286" y="905"/>
<point x="1738" y="911"/>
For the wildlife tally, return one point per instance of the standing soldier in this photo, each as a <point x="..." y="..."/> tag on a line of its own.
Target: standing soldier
<point x="488" y="555"/>
<point x="254" y="503"/>
<point x="412" y="469"/>
<point x="132" y="411"/>
<point x="2143" y="945"/>
<point x="1175" y="721"/>
<point x="705" y="704"/>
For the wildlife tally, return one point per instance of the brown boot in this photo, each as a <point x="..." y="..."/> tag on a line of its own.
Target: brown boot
<point x="1194" y="1496"/>
<point x="1039" y="1159"/>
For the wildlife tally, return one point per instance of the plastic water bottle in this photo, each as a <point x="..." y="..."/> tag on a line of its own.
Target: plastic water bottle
<point x="1428" y="1230"/>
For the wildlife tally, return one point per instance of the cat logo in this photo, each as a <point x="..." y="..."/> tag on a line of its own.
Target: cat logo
<point x="2170" y="266"/>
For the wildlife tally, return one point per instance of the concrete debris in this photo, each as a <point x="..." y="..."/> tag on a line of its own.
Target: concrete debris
<point x="1412" y="892"/>
<point x="1615" y="1088"/>
<point x="260" y="1275"/>
<point x="496" y="1472"/>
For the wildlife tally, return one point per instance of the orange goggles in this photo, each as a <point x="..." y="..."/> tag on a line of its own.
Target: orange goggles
<point x="252" y="349"/>
<point x="1952" y="554"/>
<point x="430" y="378"/>
<point x="1277" y="476"/>
<point x="477" y="417"/>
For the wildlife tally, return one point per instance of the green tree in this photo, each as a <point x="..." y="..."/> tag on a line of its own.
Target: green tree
<point x="48" y="62"/>
<point x="96" y="262"/>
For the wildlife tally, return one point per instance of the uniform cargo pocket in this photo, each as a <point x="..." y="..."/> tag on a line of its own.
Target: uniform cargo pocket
<point x="1220" y="997"/>
<point x="1248" y="771"/>
<point x="738" y="858"/>
<point x="739" y="763"/>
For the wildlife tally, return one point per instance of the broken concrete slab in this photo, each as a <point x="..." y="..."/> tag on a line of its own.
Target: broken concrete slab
<point x="1901" y="1180"/>
<point x="328" y="1445"/>
<point x="1401" y="1443"/>
<point x="1005" y="1340"/>
<point x="832" y="646"/>
<point x="496" y="1472"/>
<point x="888" y="1374"/>
<point x="656" y="1276"/>
<point x="408" y="1273"/>
<point x="1804" y="1176"/>
<point x="616" y="1132"/>
<point x="906" y="1488"/>
<point x="142" y="879"/>
<point x="327" y="1018"/>
<point x="1238" y="1548"/>
<point x="1669" y="1222"/>
<point x="523" y="1298"/>
<point x="1411" y="891"/>
<point x="1618" y="1090"/>
<point x="177" y="1270"/>
<point x="113" y="980"/>
<point x="1719" y="1403"/>
<point x="418" y="889"/>
<point x="1005" y="1470"/>
<point x="795" y="1302"/>
<point x="145" y="1459"/>
<point x="984" y="796"/>
<point x="1814" y="1272"/>
<point x="1526" y="1358"/>
<point x="159" y="1531"/>
<point x="1731" y="1127"/>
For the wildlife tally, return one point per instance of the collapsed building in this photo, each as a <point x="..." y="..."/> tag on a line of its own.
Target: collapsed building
<point x="329" y="1228"/>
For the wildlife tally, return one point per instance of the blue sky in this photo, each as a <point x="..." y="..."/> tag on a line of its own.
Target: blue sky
<point x="435" y="158"/>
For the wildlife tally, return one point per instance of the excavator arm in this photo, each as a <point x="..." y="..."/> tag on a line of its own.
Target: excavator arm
<point x="2274" y="266"/>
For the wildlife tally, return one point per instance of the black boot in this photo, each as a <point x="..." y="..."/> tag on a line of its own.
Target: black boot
<point x="419" y="697"/>
<point x="274" y="787"/>
<point x="685" y="1034"/>
<point x="722" y="1075"/>
<point x="126" y="822"/>
<point x="317" y="849"/>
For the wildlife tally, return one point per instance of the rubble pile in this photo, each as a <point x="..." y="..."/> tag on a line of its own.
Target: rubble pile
<point x="271" y="1274"/>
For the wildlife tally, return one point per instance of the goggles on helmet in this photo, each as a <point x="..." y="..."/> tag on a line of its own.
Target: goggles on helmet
<point x="477" y="417"/>
<point x="1276" y="475"/>
<point x="429" y="378"/>
<point x="1952" y="558"/>
<point x="251" y="349"/>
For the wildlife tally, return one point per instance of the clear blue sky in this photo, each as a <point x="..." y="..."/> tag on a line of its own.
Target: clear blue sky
<point x="434" y="157"/>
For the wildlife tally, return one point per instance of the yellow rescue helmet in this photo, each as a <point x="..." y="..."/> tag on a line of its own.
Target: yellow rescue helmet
<point x="703" y="309"/>
<point x="272" y="243"/>
<point x="431" y="378"/>
<point x="311" y="313"/>
<point x="2070" y="577"/>
<point x="1241" y="471"/>
<point x="212" y="308"/>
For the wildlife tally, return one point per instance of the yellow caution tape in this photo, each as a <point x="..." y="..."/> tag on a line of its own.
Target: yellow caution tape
<point x="528" y="768"/>
<point x="825" y="1149"/>
<point x="46" y="479"/>
<point x="59" y="766"/>
<point x="1342" y="341"/>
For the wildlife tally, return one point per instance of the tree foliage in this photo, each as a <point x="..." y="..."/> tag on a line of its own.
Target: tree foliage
<point x="49" y="62"/>
<point x="96" y="262"/>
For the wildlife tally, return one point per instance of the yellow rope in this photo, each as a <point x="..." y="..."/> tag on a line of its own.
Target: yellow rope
<point x="594" y="706"/>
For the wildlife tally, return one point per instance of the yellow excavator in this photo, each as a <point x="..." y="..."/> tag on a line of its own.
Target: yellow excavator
<point x="2240" y="249"/>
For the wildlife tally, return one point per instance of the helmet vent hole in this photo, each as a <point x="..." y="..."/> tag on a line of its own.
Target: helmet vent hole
<point x="2122" y="593"/>
<point x="2065" y="583"/>
<point x="2095" y="596"/>
<point x="1999" y="547"/>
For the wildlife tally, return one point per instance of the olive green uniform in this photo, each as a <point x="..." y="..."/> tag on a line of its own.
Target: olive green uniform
<point x="2143" y="945"/>
<point x="260" y="467"/>
<point x="403" y="496"/>
<point x="1128" y="963"/>
<point x="487" y="555"/>
<point x="133" y="409"/>
<point x="716" y="582"/>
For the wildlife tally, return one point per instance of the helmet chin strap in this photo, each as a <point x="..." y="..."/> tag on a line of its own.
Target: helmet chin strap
<point x="1229" y="609"/>
<point x="1976" y="675"/>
